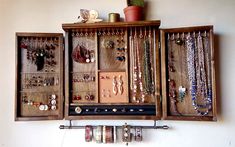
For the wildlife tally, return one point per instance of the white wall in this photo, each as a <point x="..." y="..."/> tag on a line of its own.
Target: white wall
<point x="48" y="15"/>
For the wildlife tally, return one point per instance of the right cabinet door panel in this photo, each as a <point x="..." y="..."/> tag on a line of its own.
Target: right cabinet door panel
<point x="188" y="73"/>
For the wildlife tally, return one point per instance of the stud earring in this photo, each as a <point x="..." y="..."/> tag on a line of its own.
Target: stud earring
<point x="115" y="89"/>
<point x="120" y="85"/>
<point x="103" y="93"/>
<point x="109" y="93"/>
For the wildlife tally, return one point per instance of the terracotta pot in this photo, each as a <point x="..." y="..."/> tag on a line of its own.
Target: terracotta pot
<point x="133" y="13"/>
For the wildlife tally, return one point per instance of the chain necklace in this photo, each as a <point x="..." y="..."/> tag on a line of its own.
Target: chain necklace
<point x="171" y="82"/>
<point x="147" y="65"/>
<point x="209" y="84"/>
<point x="196" y="73"/>
<point x="134" y="67"/>
<point x="139" y="69"/>
<point x="181" y="90"/>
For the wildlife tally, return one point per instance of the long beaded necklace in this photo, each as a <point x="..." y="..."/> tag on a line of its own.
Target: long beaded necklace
<point x="139" y="68"/>
<point x="194" y="73"/>
<point x="209" y="84"/>
<point x="182" y="89"/>
<point x="171" y="82"/>
<point x="151" y="58"/>
<point x="147" y="65"/>
<point x="134" y="67"/>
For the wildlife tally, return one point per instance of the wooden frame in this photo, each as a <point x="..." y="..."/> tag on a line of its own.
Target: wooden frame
<point x="97" y="28"/>
<point x="51" y="83"/>
<point x="166" y="112"/>
<point x="157" y="105"/>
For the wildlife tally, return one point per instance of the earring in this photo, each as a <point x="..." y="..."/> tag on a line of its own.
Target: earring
<point x="115" y="89"/>
<point x="103" y="93"/>
<point x="109" y="93"/>
<point x="120" y="84"/>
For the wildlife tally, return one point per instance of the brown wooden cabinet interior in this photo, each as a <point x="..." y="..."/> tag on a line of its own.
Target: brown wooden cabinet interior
<point x="112" y="63"/>
<point x="176" y="55"/>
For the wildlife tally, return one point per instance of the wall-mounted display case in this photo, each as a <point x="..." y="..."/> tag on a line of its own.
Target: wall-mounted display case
<point x="120" y="70"/>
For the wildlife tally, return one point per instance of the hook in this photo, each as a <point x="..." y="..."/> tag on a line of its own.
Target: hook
<point x="70" y="124"/>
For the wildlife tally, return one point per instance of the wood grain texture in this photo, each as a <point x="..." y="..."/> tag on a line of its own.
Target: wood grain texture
<point x="69" y="26"/>
<point x="180" y="75"/>
<point x="25" y="71"/>
<point x="106" y="63"/>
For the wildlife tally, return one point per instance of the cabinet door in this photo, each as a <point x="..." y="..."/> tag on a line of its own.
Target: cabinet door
<point x="188" y="73"/>
<point x="118" y="65"/>
<point x="39" y="76"/>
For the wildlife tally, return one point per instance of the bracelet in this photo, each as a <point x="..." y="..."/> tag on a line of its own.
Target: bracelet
<point x="88" y="133"/>
<point x="114" y="134"/>
<point x="104" y="134"/>
<point x="109" y="134"/>
<point x="98" y="134"/>
<point x="126" y="133"/>
<point x="138" y="134"/>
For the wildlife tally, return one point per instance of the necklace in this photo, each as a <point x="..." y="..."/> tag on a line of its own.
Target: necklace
<point x="181" y="89"/>
<point x="147" y="65"/>
<point x="171" y="82"/>
<point x="197" y="76"/>
<point x="139" y="69"/>
<point x="134" y="66"/>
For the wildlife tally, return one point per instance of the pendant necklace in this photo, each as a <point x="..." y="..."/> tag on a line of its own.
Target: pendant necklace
<point x="134" y="68"/>
<point x="171" y="82"/>
<point x="181" y="89"/>
<point x="139" y="69"/>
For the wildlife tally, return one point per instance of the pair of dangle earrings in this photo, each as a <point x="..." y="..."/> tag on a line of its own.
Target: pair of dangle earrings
<point x="118" y="85"/>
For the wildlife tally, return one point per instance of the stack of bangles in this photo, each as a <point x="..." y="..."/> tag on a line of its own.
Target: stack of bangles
<point x="103" y="134"/>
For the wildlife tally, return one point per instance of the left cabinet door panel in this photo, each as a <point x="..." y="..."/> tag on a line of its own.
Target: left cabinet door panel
<point x="39" y="76"/>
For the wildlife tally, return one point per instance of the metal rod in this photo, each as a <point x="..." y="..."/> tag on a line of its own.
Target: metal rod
<point x="165" y="127"/>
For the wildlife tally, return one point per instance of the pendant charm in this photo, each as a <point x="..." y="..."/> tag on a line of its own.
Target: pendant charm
<point x="179" y="41"/>
<point x="182" y="92"/>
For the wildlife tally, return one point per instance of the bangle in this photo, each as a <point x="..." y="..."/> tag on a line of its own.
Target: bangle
<point x="126" y="133"/>
<point x="107" y="134"/>
<point x="88" y="133"/>
<point x="104" y="134"/>
<point x="138" y="134"/>
<point x="98" y="134"/>
<point x="114" y="134"/>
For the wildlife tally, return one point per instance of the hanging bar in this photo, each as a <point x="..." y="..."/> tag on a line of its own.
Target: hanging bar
<point x="70" y="126"/>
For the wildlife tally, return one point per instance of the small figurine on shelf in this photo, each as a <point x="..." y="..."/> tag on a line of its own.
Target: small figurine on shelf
<point x="88" y="16"/>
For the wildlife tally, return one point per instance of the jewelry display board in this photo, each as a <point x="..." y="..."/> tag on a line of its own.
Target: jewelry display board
<point x="115" y="71"/>
<point x="122" y="76"/>
<point x="39" y="76"/>
<point x="188" y="73"/>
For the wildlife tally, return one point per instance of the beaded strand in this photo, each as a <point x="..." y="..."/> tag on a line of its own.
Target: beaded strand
<point x="196" y="68"/>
